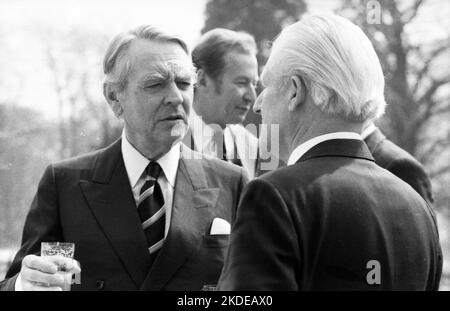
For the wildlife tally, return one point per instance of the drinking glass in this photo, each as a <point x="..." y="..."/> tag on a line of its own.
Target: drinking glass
<point x="64" y="249"/>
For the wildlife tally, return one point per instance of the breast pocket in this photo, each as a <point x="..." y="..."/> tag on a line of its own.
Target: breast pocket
<point x="216" y="241"/>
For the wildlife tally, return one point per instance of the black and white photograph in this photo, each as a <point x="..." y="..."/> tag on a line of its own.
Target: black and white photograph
<point x="230" y="146"/>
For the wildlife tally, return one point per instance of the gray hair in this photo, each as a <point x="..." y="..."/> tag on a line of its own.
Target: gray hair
<point x="116" y="66"/>
<point x="338" y="63"/>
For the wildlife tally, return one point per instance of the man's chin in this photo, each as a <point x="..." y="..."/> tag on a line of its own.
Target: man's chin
<point x="178" y="131"/>
<point x="238" y="119"/>
<point x="171" y="140"/>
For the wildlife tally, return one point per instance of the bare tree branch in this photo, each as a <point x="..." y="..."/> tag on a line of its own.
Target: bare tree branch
<point x="440" y="171"/>
<point x="442" y="111"/>
<point x="411" y="13"/>
<point x="438" y="145"/>
<point x="426" y="97"/>
<point x="441" y="48"/>
<point x="51" y="59"/>
<point x="422" y="118"/>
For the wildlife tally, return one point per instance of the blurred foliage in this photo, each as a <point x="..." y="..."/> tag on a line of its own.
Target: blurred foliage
<point x="74" y="60"/>
<point x="29" y="141"/>
<point x="26" y="147"/>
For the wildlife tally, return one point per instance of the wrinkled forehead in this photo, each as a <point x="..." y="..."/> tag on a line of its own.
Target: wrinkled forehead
<point x="171" y="69"/>
<point x="167" y="59"/>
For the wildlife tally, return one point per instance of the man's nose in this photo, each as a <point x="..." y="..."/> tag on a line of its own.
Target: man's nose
<point x="257" y="105"/>
<point x="174" y="95"/>
<point x="250" y="94"/>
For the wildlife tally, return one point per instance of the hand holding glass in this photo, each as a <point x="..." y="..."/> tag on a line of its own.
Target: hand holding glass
<point x="61" y="249"/>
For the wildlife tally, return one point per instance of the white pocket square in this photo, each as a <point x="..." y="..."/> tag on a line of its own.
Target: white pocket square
<point x="220" y="226"/>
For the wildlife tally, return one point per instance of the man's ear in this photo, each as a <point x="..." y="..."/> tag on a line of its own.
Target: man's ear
<point x="112" y="97"/>
<point x="201" y="78"/>
<point x="296" y="92"/>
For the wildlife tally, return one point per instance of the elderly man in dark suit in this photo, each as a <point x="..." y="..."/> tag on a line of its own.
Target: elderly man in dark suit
<point x="397" y="161"/>
<point x="146" y="212"/>
<point x="332" y="219"/>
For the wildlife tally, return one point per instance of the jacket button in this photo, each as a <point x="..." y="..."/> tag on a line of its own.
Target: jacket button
<point x="100" y="284"/>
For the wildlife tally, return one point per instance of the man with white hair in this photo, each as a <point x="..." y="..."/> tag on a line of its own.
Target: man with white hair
<point x="332" y="219"/>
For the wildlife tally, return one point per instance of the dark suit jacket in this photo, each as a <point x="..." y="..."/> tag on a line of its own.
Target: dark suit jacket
<point x="316" y="225"/>
<point x="88" y="200"/>
<point x="400" y="163"/>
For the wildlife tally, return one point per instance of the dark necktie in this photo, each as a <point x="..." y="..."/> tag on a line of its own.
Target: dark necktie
<point x="235" y="159"/>
<point x="152" y="210"/>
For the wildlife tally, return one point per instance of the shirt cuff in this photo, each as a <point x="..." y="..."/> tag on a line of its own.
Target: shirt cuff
<point x="18" y="285"/>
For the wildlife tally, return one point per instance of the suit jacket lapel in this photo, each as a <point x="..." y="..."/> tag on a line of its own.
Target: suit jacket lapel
<point x="351" y="148"/>
<point x="188" y="139"/>
<point x="192" y="197"/>
<point x="111" y="200"/>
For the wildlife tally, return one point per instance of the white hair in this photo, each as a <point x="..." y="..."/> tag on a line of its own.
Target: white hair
<point x="115" y="71"/>
<point x="337" y="62"/>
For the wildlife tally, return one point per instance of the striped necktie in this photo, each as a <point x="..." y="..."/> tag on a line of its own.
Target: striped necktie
<point x="152" y="210"/>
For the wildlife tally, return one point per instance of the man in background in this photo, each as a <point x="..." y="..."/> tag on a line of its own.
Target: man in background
<point x="398" y="161"/>
<point x="227" y="73"/>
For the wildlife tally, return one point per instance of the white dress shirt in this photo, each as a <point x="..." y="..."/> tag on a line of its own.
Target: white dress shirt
<point x="300" y="150"/>
<point x="204" y="134"/>
<point x="369" y="130"/>
<point x="135" y="164"/>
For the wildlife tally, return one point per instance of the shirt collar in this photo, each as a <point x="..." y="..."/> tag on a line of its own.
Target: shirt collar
<point x="300" y="150"/>
<point x="135" y="162"/>
<point x="369" y="130"/>
<point x="204" y="133"/>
